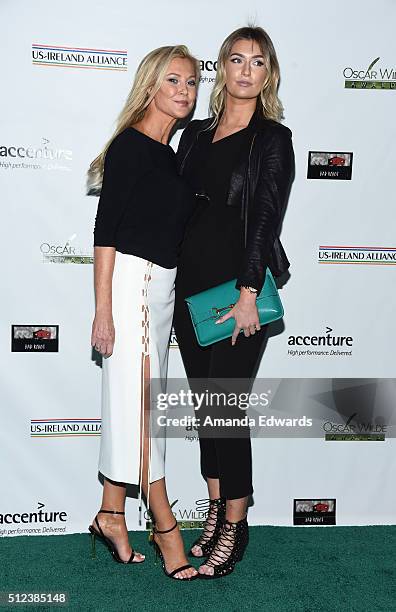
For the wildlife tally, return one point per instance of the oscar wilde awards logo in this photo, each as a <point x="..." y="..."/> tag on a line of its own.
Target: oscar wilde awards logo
<point x="36" y="522"/>
<point x="187" y="518"/>
<point x="375" y="76"/>
<point x="337" y="254"/>
<point x="79" y="57"/>
<point x="303" y="345"/>
<point x="66" y="253"/>
<point x="355" y="431"/>
<point x="43" y="156"/>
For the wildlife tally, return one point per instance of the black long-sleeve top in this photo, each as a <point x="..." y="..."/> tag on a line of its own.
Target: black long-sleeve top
<point x="213" y="248"/>
<point x="144" y="205"/>
<point x="259" y="186"/>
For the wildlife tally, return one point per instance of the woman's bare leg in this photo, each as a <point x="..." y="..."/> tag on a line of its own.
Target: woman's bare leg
<point x="171" y="544"/>
<point x="236" y="509"/>
<point x="114" y="525"/>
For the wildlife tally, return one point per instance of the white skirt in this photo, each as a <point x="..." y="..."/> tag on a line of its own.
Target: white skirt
<point x="142" y="304"/>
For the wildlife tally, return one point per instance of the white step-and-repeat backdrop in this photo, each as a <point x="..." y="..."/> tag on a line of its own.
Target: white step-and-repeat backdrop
<point x="65" y="75"/>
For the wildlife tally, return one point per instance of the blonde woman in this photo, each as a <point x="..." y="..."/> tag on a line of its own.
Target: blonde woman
<point x="140" y="221"/>
<point x="240" y="164"/>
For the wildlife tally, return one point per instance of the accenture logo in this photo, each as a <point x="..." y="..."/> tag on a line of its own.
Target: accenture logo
<point x="36" y="522"/>
<point x="302" y="345"/>
<point x="79" y="57"/>
<point x="43" y="156"/>
<point x="208" y="71"/>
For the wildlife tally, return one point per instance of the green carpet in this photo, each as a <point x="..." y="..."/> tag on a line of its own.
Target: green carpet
<point x="285" y="569"/>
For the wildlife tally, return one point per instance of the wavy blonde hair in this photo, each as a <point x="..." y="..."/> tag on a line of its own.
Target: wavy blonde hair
<point x="268" y="101"/>
<point x="148" y="80"/>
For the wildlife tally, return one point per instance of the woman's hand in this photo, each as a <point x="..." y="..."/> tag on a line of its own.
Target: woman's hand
<point x="245" y="314"/>
<point x="103" y="334"/>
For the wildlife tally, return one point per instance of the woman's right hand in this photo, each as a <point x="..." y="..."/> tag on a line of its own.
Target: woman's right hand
<point x="103" y="334"/>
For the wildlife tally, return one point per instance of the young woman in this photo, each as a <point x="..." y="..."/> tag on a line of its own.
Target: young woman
<point x="240" y="164"/>
<point x="140" y="222"/>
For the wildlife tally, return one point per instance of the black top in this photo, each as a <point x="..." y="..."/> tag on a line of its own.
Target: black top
<point x="144" y="205"/>
<point x="213" y="248"/>
<point x="259" y="186"/>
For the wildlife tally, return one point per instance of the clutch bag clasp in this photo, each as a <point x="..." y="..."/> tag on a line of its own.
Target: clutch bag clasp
<point x="218" y="310"/>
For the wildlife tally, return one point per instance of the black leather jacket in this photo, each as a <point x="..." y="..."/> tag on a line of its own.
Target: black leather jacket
<point x="259" y="185"/>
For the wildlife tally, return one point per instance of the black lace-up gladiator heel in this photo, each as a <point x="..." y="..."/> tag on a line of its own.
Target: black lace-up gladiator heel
<point x="98" y="533"/>
<point x="215" y="519"/>
<point x="233" y="539"/>
<point x="159" y="554"/>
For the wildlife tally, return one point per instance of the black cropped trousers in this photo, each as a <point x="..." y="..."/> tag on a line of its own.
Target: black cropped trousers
<point x="228" y="456"/>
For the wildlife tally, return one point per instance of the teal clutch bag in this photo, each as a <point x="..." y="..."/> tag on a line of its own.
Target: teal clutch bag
<point x="208" y="306"/>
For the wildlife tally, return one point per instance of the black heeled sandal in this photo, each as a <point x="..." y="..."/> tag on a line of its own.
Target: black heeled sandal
<point x="234" y="537"/>
<point x="99" y="534"/>
<point x="208" y="542"/>
<point x="159" y="554"/>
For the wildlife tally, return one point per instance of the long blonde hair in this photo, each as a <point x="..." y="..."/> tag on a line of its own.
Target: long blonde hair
<point x="268" y="102"/>
<point x="148" y="80"/>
